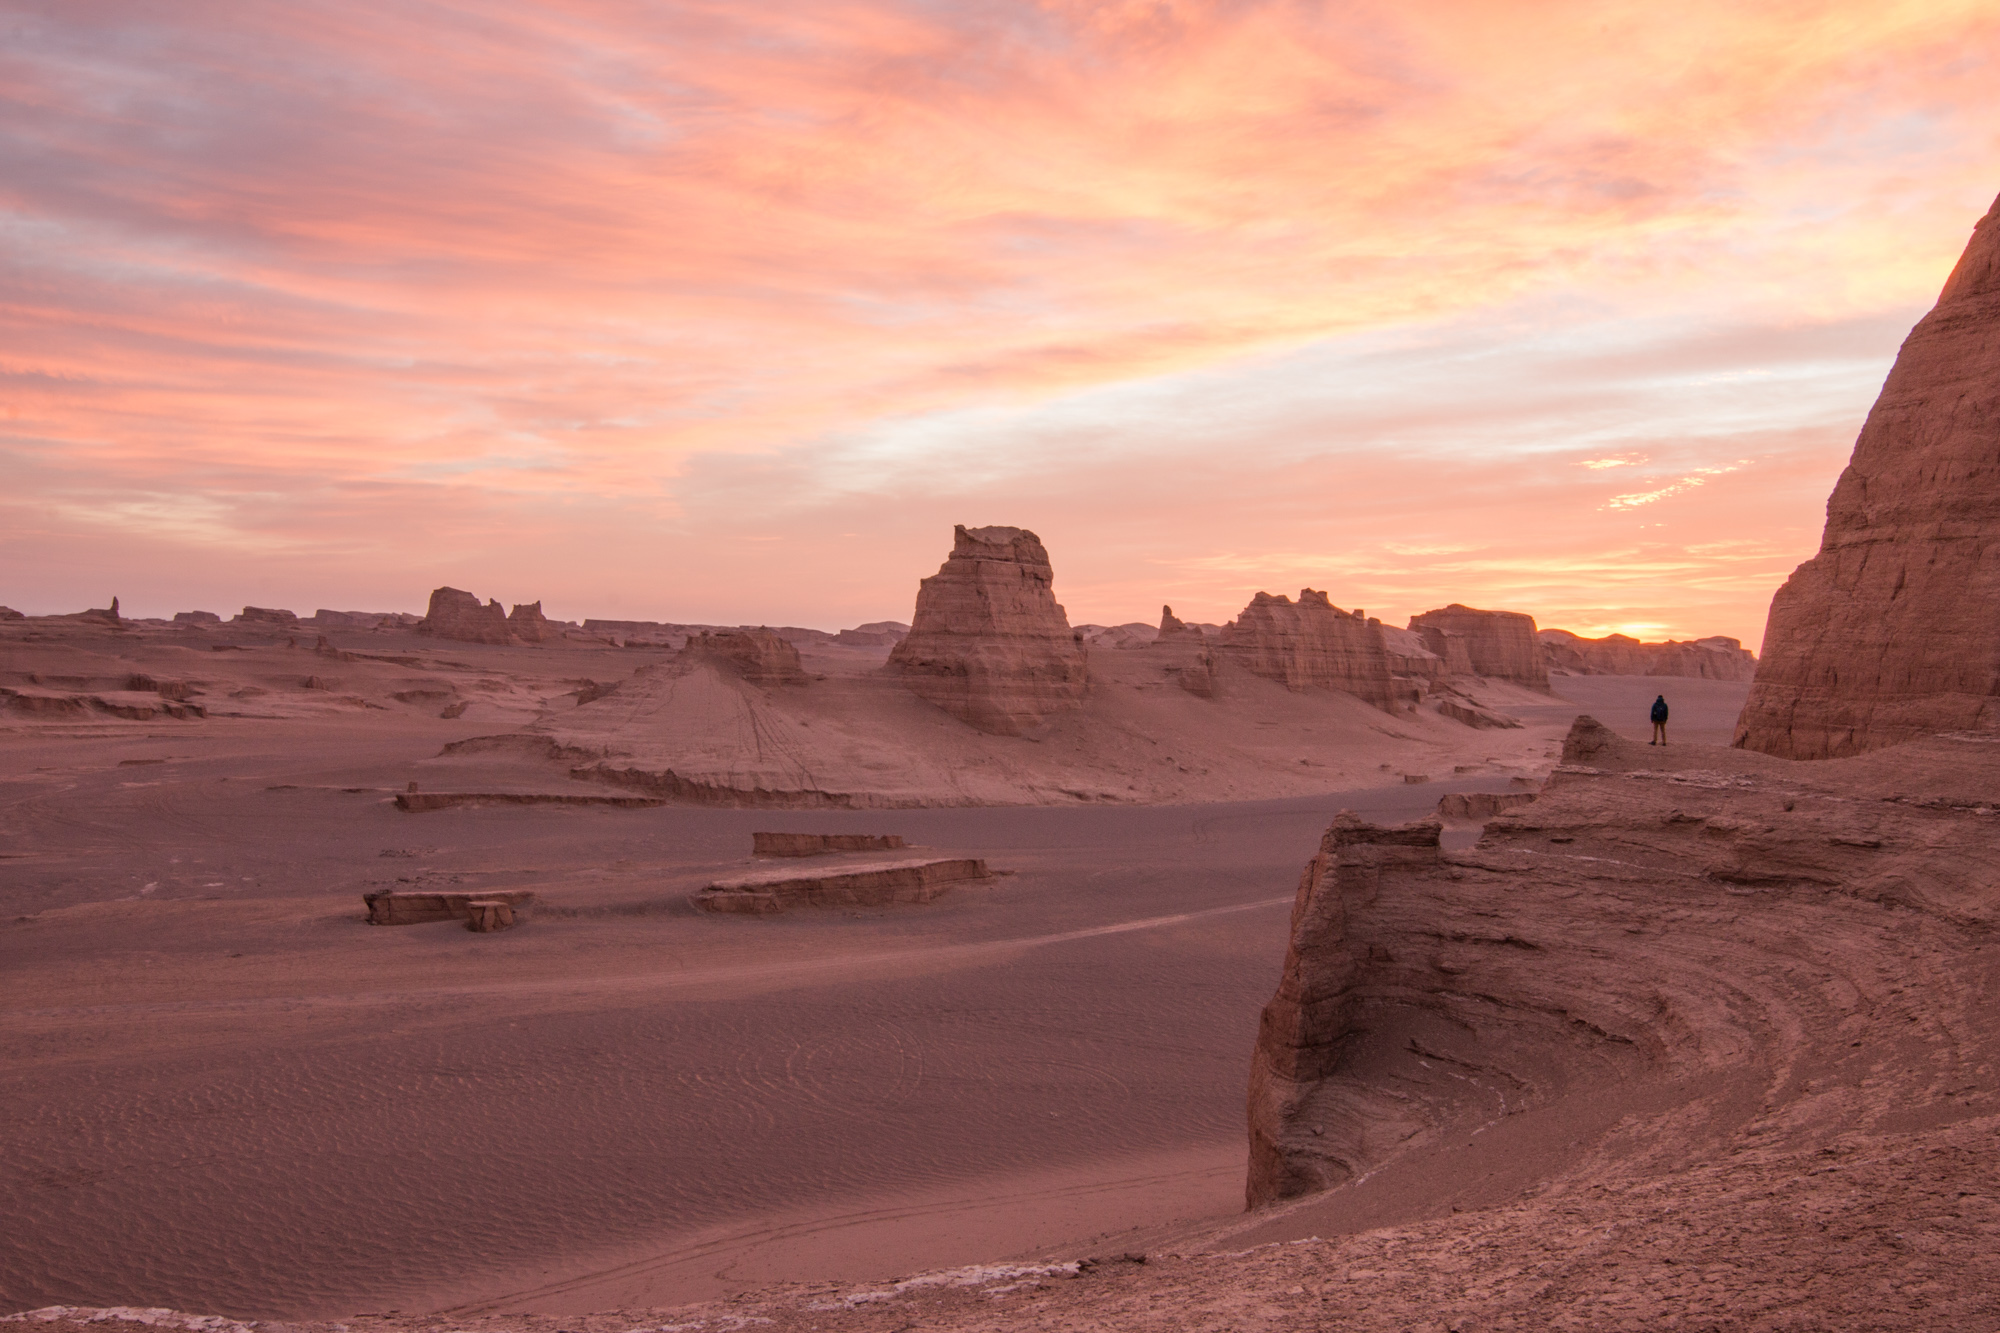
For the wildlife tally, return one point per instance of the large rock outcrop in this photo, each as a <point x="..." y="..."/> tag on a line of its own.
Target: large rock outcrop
<point x="1311" y="644"/>
<point x="989" y="643"/>
<point x="1499" y="645"/>
<point x="757" y="655"/>
<point x="1893" y="629"/>
<point x="1716" y="657"/>
<point x="1742" y="955"/>
<point x="455" y="614"/>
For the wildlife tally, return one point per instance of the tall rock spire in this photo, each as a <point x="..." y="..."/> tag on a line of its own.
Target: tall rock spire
<point x="1893" y="629"/>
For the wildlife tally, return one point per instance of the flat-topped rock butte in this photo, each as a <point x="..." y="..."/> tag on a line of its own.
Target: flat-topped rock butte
<point x="988" y="643"/>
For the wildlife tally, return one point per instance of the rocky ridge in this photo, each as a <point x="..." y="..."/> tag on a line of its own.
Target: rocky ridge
<point x="1890" y="631"/>
<point x="1716" y="657"/>
<point x="1768" y="953"/>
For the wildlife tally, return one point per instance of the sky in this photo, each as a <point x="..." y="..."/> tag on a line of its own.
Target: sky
<point x="723" y="313"/>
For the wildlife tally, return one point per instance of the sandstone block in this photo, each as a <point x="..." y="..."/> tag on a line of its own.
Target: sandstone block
<point x="989" y="643"/>
<point x="819" y="844"/>
<point x="1311" y="644"/>
<point x="486" y="915"/>
<point x="527" y="623"/>
<point x="455" y="614"/>
<point x="868" y="885"/>
<point x="407" y="907"/>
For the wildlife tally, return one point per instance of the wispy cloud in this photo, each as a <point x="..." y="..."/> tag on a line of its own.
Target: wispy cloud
<point x="412" y="283"/>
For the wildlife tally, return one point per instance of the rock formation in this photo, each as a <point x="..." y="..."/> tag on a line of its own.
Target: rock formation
<point x="325" y="619"/>
<point x="1172" y="626"/>
<point x="1410" y="659"/>
<point x="757" y="655"/>
<point x="410" y="907"/>
<point x="527" y="623"/>
<point x="874" y="884"/>
<point x="989" y="643"/>
<point x="458" y="615"/>
<point x="1716" y="657"/>
<point x="267" y="617"/>
<point x="821" y="844"/>
<point x="1499" y="645"/>
<point x="9" y="613"/>
<point x="1309" y="644"/>
<point x="875" y="634"/>
<point x="1893" y="629"/>
<point x="197" y="618"/>
<point x="1689" y="937"/>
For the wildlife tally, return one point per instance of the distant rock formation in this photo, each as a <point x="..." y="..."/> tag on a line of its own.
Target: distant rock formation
<point x="1311" y="644"/>
<point x="989" y="643"/>
<point x="197" y="618"/>
<point x="325" y="619"/>
<point x="1410" y="659"/>
<point x="1499" y="645"/>
<point x="108" y="614"/>
<point x="875" y="634"/>
<point x="757" y="655"/>
<point x="1716" y="657"/>
<point x="267" y="617"/>
<point x="1171" y="625"/>
<point x="455" y="614"/>
<point x="9" y="613"/>
<point x="527" y="623"/>
<point x="1891" y="631"/>
<point x="1132" y="634"/>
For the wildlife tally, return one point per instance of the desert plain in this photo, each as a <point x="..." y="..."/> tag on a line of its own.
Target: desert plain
<point x="226" y="1092"/>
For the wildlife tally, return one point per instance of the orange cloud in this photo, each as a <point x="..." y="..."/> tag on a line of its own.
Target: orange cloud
<point x="273" y="275"/>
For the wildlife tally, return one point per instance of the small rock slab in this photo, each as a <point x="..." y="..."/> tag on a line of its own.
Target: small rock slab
<point x="486" y="915"/>
<point x="819" y="844"/>
<point x="874" y="884"/>
<point x="409" y="907"/>
<point x="416" y="802"/>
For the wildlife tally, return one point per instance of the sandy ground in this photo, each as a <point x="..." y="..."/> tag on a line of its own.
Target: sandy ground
<point x="221" y="1091"/>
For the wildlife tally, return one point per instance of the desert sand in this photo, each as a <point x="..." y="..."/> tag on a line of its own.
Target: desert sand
<point x="224" y="1092"/>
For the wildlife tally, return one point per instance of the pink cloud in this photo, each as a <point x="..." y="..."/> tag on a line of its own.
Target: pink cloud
<point x="367" y="293"/>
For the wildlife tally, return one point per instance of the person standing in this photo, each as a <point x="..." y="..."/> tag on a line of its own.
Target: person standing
<point x="1659" y="721"/>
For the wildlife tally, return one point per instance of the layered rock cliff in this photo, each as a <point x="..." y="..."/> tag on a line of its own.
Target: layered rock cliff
<point x="1500" y="645"/>
<point x="1893" y="629"/>
<point x="1716" y="657"/>
<point x="1311" y="644"/>
<point x="456" y="614"/>
<point x="989" y="643"/>
<point x="1740" y="951"/>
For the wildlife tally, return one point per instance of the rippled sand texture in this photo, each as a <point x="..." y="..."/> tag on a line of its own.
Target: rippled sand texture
<point x="254" y="1103"/>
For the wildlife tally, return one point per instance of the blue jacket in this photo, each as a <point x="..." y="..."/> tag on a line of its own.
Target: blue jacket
<point x="1660" y="709"/>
